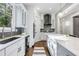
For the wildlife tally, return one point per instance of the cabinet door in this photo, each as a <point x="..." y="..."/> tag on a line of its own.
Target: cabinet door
<point x="11" y="50"/>
<point x="21" y="47"/>
<point x="18" y="16"/>
<point x="68" y="53"/>
<point x="61" y="51"/>
<point x="2" y="52"/>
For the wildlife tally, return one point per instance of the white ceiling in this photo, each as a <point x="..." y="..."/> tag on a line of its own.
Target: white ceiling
<point x="48" y="7"/>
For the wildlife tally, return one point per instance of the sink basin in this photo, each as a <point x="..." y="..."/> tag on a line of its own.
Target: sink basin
<point x="8" y="40"/>
<point x="59" y="37"/>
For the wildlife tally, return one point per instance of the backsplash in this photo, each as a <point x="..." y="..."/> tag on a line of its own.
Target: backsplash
<point x="8" y="34"/>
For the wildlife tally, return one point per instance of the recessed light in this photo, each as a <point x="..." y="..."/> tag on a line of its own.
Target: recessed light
<point x="50" y="8"/>
<point x="38" y="8"/>
<point x="60" y="14"/>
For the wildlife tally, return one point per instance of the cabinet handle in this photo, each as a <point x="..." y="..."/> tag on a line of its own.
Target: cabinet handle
<point x="67" y="55"/>
<point x="19" y="49"/>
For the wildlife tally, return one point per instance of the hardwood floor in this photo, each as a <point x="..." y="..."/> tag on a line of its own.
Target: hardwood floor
<point x="38" y="44"/>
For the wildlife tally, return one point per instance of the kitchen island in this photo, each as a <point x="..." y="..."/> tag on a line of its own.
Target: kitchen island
<point x="63" y="45"/>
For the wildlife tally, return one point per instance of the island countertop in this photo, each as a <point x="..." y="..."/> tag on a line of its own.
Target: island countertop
<point x="70" y="43"/>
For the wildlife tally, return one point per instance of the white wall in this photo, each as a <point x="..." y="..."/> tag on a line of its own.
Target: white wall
<point x="53" y="20"/>
<point x="66" y="28"/>
<point x="42" y="20"/>
<point x="30" y="20"/>
<point x="37" y="21"/>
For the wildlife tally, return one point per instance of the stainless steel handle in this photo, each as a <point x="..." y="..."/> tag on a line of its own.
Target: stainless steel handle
<point x="19" y="49"/>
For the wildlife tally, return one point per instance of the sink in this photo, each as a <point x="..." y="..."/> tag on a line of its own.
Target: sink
<point x="64" y="38"/>
<point x="8" y="40"/>
<point x="59" y="37"/>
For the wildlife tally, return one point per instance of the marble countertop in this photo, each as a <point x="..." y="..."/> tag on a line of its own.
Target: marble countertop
<point x="2" y="46"/>
<point x="70" y="43"/>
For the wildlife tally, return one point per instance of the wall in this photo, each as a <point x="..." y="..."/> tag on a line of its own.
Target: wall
<point x="42" y="20"/>
<point x="30" y="20"/>
<point x="37" y="21"/>
<point x="53" y="20"/>
<point x="67" y="25"/>
<point x="67" y="20"/>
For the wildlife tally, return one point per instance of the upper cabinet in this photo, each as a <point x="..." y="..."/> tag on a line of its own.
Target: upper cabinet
<point x="20" y="15"/>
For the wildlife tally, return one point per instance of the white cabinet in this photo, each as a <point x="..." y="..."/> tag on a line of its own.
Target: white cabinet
<point x="2" y="52"/>
<point x="20" y="15"/>
<point x="21" y="47"/>
<point x="52" y="46"/>
<point x="11" y="50"/>
<point x="15" y="49"/>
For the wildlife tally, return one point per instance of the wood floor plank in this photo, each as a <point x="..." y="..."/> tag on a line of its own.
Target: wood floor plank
<point x="38" y="44"/>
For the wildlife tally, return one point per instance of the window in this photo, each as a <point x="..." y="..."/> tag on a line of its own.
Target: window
<point x="5" y="14"/>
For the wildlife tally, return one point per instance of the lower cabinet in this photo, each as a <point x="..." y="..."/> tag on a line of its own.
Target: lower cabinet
<point x="21" y="48"/>
<point x="2" y="52"/>
<point x="16" y="49"/>
<point x="62" y="51"/>
<point x="11" y="50"/>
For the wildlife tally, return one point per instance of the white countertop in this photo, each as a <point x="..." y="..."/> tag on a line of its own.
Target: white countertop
<point x="70" y="43"/>
<point x="2" y="46"/>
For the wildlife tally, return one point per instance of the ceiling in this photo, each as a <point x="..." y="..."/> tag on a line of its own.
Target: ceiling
<point x="48" y="7"/>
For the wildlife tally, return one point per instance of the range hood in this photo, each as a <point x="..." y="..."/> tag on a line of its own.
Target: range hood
<point x="47" y="24"/>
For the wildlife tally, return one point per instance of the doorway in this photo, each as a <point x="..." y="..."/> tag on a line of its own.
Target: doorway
<point x="76" y="26"/>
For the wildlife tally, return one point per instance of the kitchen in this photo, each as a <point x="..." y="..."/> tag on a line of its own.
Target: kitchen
<point x="25" y="24"/>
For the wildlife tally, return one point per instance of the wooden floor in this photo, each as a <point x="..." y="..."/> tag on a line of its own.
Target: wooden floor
<point x="38" y="44"/>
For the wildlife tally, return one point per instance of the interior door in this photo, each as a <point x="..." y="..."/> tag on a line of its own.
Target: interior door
<point x="76" y="26"/>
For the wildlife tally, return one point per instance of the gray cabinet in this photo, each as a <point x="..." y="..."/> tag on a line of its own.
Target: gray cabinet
<point x="62" y="51"/>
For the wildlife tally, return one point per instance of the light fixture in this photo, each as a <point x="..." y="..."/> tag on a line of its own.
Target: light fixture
<point x="50" y="8"/>
<point x="38" y="8"/>
<point x="60" y="14"/>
